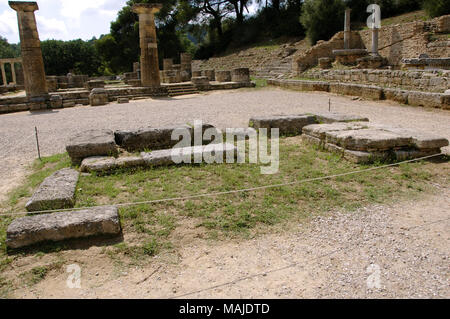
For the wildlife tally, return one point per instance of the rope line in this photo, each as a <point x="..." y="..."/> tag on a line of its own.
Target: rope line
<point x="245" y="190"/>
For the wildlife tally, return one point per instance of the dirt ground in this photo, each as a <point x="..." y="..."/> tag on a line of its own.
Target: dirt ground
<point x="402" y="249"/>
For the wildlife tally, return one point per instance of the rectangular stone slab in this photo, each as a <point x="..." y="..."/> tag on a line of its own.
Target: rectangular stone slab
<point x="320" y="130"/>
<point x="420" y="140"/>
<point x="287" y="124"/>
<point x="56" y="191"/>
<point x="59" y="226"/>
<point x="332" y="117"/>
<point x="91" y="143"/>
<point x="166" y="157"/>
<point x="367" y="140"/>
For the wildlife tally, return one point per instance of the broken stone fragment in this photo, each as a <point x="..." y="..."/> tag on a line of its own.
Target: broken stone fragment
<point x="59" y="226"/>
<point x="56" y="191"/>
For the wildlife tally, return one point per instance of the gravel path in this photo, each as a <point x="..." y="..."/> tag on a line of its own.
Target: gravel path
<point x="223" y="109"/>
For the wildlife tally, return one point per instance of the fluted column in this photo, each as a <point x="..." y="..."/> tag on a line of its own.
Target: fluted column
<point x="148" y="43"/>
<point x="33" y="63"/>
<point x="347" y="29"/>
<point x="5" y="82"/>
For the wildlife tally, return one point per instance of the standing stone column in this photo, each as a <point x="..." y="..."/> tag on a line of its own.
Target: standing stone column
<point x="13" y="72"/>
<point x="5" y="82"/>
<point x="148" y="43"/>
<point x="374" y="51"/>
<point x="347" y="29"/>
<point x="33" y="63"/>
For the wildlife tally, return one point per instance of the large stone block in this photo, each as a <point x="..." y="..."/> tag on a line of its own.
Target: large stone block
<point x="332" y="117"/>
<point x="177" y="155"/>
<point x="148" y="138"/>
<point x="366" y="91"/>
<point x="91" y="143"/>
<point x="240" y="75"/>
<point x="56" y="191"/>
<point x="287" y="124"/>
<point x="98" y="97"/>
<point x="320" y="130"/>
<point x="396" y="95"/>
<point x="424" y="99"/>
<point x="223" y="76"/>
<point x="367" y="140"/>
<point x="59" y="226"/>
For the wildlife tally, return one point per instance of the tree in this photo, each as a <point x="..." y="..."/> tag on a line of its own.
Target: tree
<point x="78" y="56"/>
<point x="8" y="50"/>
<point x="322" y="18"/>
<point x="436" y="8"/>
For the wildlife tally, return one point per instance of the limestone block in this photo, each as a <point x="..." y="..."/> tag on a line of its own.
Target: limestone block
<point x="56" y="102"/>
<point x="223" y="76"/>
<point x="287" y="124"/>
<point x="200" y="81"/>
<point x="320" y="130"/>
<point x="91" y="143"/>
<point x="148" y="138"/>
<point x="396" y="95"/>
<point x="332" y="117"/>
<point x="98" y="97"/>
<point x="98" y="164"/>
<point x="123" y="100"/>
<point x="59" y="226"/>
<point x="240" y="75"/>
<point x="94" y="84"/>
<point x="210" y="74"/>
<point x="56" y="191"/>
<point x="367" y="140"/>
<point x="424" y="99"/>
<point x="176" y="155"/>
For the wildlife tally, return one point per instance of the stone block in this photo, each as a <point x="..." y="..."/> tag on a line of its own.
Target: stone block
<point x="148" y="138"/>
<point x="287" y="124"/>
<point x="223" y="76"/>
<point x="56" y="102"/>
<point x="98" y="97"/>
<point x="332" y="117"/>
<point x="240" y="75"/>
<point x="200" y="81"/>
<point x="424" y="99"/>
<point x="56" y="191"/>
<point x="176" y="155"/>
<point x="210" y="74"/>
<point x="123" y="100"/>
<point x="396" y="95"/>
<point x="320" y="130"/>
<point x="59" y="226"/>
<point x="91" y="143"/>
<point x="367" y="140"/>
<point x="93" y="84"/>
<point x="98" y="164"/>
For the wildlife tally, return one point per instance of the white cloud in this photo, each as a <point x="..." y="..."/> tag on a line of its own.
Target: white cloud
<point x="65" y="19"/>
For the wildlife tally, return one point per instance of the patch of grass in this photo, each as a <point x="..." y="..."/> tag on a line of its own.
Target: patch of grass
<point x="260" y="83"/>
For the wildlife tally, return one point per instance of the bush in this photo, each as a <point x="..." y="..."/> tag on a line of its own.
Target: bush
<point x="322" y="18"/>
<point x="436" y="8"/>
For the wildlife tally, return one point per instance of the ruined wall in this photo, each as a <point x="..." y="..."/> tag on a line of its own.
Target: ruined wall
<point x="322" y="49"/>
<point x="415" y="80"/>
<point x="409" y="40"/>
<point x="396" y="42"/>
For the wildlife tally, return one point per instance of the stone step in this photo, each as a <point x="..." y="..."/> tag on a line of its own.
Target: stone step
<point x="56" y="191"/>
<point x="59" y="226"/>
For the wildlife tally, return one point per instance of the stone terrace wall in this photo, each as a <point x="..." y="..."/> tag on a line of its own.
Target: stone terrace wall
<point x="396" y="42"/>
<point x="415" y="80"/>
<point x="409" y="40"/>
<point x="325" y="49"/>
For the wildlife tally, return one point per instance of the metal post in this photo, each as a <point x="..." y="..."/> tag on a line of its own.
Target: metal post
<point x="37" y="142"/>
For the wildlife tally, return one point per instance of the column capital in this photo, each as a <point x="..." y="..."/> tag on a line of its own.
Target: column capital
<point x="25" y="6"/>
<point x="143" y="8"/>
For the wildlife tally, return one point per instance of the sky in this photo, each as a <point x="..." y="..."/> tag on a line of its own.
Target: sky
<point x="64" y="19"/>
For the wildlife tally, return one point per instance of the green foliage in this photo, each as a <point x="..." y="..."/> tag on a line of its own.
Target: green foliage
<point x="77" y="56"/>
<point x="322" y="18"/>
<point x="436" y="8"/>
<point x="8" y="50"/>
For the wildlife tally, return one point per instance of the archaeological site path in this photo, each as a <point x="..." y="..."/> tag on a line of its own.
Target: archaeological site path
<point x="222" y="109"/>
